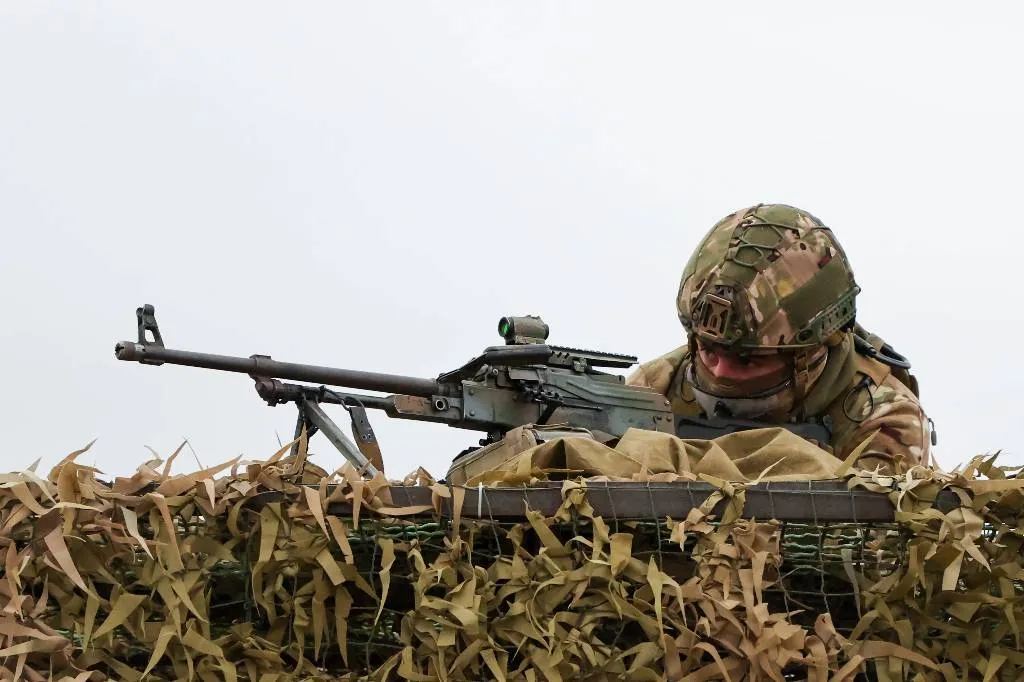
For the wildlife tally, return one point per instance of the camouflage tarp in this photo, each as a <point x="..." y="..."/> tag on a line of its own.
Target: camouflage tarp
<point x="250" y="572"/>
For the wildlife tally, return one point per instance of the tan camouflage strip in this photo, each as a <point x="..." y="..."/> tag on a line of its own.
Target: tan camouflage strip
<point x="184" y="577"/>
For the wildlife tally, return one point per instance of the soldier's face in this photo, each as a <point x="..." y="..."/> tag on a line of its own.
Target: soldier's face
<point x="740" y="369"/>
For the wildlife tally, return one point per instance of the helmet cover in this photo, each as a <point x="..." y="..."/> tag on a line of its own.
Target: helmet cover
<point x="767" y="277"/>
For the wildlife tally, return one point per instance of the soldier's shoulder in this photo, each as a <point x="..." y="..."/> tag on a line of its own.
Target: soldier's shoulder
<point x="879" y="405"/>
<point x="885" y="386"/>
<point x="657" y="373"/>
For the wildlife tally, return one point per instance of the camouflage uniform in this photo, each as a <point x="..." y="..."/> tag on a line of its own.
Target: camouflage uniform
<point x="773" y="279"/>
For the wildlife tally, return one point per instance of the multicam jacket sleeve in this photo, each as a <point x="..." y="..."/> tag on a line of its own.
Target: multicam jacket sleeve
<point x="657" y="374"/>
<point x="891" y="416"/>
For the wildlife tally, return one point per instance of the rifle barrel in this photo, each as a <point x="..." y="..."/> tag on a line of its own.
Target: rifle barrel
<point x="265" y="367"/>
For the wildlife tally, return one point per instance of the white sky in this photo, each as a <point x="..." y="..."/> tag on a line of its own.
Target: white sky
<point x="372" y="185"/>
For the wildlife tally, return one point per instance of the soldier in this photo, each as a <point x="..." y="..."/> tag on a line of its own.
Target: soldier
<point x="767" y="301"/>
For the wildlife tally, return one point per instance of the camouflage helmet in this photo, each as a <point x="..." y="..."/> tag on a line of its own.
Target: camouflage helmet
<point x="767" y="277"/>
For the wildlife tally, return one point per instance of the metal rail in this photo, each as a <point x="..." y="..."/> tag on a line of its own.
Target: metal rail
<point x="813" y="501"/>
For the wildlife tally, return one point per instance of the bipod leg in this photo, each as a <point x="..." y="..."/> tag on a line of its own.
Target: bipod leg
<point x="318" y="418"/>
<point x="302" y="421"/>
<point x="363" y="433"/>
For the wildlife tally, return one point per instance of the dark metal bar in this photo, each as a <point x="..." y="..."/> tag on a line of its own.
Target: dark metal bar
<point x="813" y="501"/>
<point x="274" y="392"/>
<point x="263" y="366"/>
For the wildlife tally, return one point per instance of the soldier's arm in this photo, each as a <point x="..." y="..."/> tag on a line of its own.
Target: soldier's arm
<point x="902" y="438"/>
<point x="657" y="374"/>
<point x="640" y="377"/>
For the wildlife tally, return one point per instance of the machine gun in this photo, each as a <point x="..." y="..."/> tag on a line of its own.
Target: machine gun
<point x="526" y="381"/>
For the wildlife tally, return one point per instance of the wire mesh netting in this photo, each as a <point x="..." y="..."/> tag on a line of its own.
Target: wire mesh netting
<point x="815" y="575"/>
<point x="282" y="572"/>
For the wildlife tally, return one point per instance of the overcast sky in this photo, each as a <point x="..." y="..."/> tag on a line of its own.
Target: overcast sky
<point x="372" y="185"/>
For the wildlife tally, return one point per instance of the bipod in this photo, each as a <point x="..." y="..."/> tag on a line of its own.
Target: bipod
<point x="365" y="457"/>
<point x="313" y="418"/>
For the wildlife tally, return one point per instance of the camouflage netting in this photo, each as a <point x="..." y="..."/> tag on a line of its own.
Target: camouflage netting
<point x="251" y="572"/>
